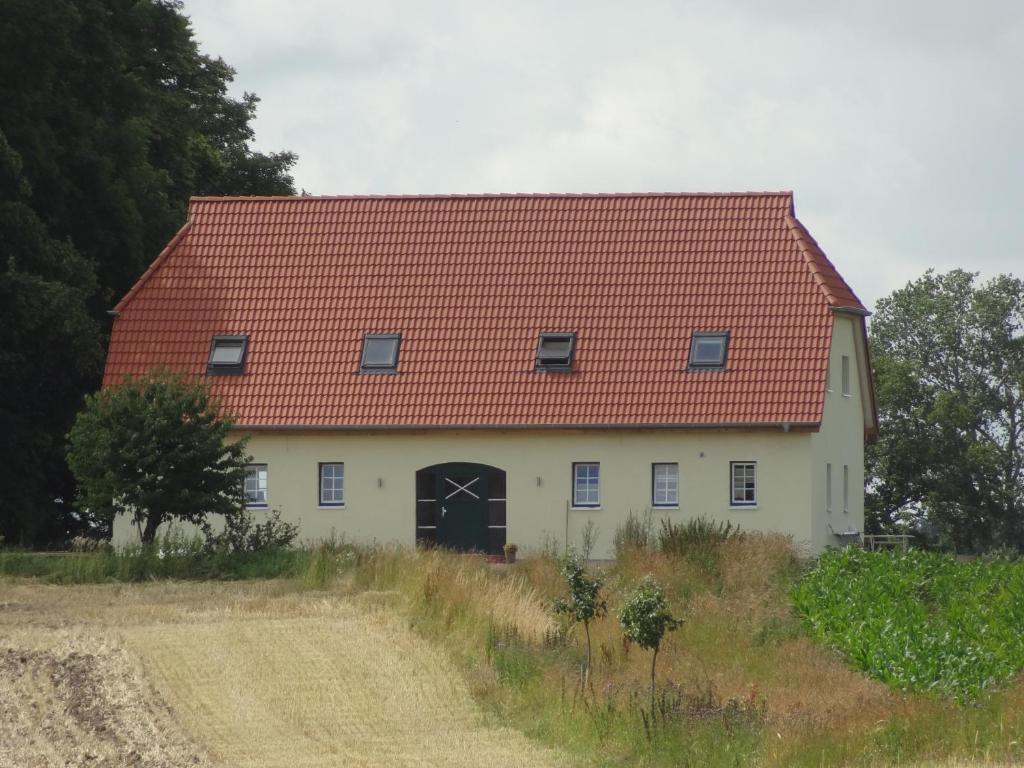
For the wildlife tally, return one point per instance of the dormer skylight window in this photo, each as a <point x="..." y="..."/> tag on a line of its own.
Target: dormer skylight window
<point x="708" y="350"/>
<point x="227" y="356"/>
<point x="555" y="351"/>
<point x="380" y="353"/>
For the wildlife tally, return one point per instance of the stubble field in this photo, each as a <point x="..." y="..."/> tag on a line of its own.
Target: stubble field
<point x="252" y="674"/>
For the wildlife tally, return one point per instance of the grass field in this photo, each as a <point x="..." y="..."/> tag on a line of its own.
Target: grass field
<point x="383" y="656"/>
<point x="251" y="674"/>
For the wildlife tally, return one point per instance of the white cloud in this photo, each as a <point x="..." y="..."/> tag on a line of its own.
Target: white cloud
<point x="897" y="124"/>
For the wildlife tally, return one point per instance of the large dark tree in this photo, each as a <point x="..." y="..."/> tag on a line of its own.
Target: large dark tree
<point x="949" y="366"/>
<point x="111" y="118"/>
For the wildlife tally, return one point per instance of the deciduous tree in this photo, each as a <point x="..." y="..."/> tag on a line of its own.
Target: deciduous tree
<point x="949" y="366"/>
<point x="154" y="448"/>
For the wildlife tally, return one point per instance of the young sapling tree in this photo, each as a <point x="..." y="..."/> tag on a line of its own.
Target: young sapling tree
<point x="584" y="602"/>
<point x="645" y="620"/>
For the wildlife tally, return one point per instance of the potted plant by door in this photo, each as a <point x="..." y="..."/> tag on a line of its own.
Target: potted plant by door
<point x="510" y="552"/>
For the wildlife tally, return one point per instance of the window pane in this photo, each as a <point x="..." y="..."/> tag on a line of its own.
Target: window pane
<point x="555" y="347"/>
<point x="227" y="353"/>
<point x="586" y="485"/>
<point x="380" y="352"/>
<point x="744" y="483"/>
<point x="255" y="486"/>
<point x="708" y="349"/>
<point x="332" y="483"/>
<point x="666" y="485"/>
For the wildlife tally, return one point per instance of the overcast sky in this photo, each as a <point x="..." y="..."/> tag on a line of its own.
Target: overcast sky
<point x="898" y="125"/>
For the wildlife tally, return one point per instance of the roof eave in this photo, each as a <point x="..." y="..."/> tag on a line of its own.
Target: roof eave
<point x="782" y="426"/>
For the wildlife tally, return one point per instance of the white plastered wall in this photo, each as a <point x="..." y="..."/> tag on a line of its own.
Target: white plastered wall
<point x="840" y="441"/>
<point x="380" y="469"/>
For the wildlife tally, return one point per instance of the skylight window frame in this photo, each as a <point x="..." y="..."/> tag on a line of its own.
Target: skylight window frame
<point x="540" y="360"/>
<point x="227" y="369"/>
<point x="695" y="338"/>
<point x="380" y="368"/>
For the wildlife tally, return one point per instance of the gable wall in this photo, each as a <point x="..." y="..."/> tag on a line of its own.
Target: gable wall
<point x="839" y="442"/>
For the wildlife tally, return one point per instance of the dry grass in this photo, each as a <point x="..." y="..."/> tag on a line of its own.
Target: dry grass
<point x="259" y="673"/>
<point x="510" y="602"/>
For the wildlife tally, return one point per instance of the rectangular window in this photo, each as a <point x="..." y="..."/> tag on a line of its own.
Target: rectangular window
<point x="708" y="350"/>
<point x="380" y="353"/>
<point x="586" y="485"/>
<point x="665" y="485"/>
<point x="256" y="485"/>
<point x="227" y="356"/>
<point x="744" y="483"/>
<point x="846" y="375"/>
<point x="555" y="351"/>
<point x="332" y="485"/>
<point x="828" y="487"/>
<point x="846" y="487"/>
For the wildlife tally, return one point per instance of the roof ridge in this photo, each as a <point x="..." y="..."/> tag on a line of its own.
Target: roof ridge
<point x="787" y="194"/>
<point x="824" y="272"/>
<point x="157" y="263"/>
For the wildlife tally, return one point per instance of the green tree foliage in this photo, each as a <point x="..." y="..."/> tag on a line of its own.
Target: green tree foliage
<point x="50" y="352"/>
<point x="584" y="603"/>
<point x="119" y="119"/>
<point x="112" y="118"/>
<point x="155" y="449"/>
<point x="949" y="366"/>
<point x="646" y="619"/>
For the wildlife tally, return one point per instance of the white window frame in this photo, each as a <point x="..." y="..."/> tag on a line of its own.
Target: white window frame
<point x="665" y="486"/>
<point x="846" y="487"/>
<point x="340" y="501"/>
<point x="846" y="376"/>
<point x="257" y="470"/>
<point x="742" y="502"/>
<point x="828" y="487"/>
<point x="585" y="470"/>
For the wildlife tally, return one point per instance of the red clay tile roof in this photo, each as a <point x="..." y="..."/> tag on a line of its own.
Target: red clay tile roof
<point x="470" y="282"/>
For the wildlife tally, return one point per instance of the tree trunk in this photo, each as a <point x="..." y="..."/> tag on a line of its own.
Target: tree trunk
<point x="152" y="523"/>
<point x="654" y="660"/>
<point x="586" y="668"/>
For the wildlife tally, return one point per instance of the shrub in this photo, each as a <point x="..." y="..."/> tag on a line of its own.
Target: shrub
<point x="243" y="534"/>
<point x="635" y="533"/>
<point x="695" y="535"/>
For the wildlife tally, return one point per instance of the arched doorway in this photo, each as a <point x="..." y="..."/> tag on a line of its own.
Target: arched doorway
<point x="461" y="506"/>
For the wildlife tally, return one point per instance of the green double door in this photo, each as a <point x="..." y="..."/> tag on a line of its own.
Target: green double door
<point x="462" y="507"/>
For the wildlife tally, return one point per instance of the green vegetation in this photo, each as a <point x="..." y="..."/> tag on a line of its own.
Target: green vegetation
<point x="948" y="355"/>
<point x="157" y="449"/>
<point x="112" y="117"/>
<point x="646" y="619"/>
<point x="920" y="621"/>
<point x="584" y="602"/>
<point x="739" y="683"/>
